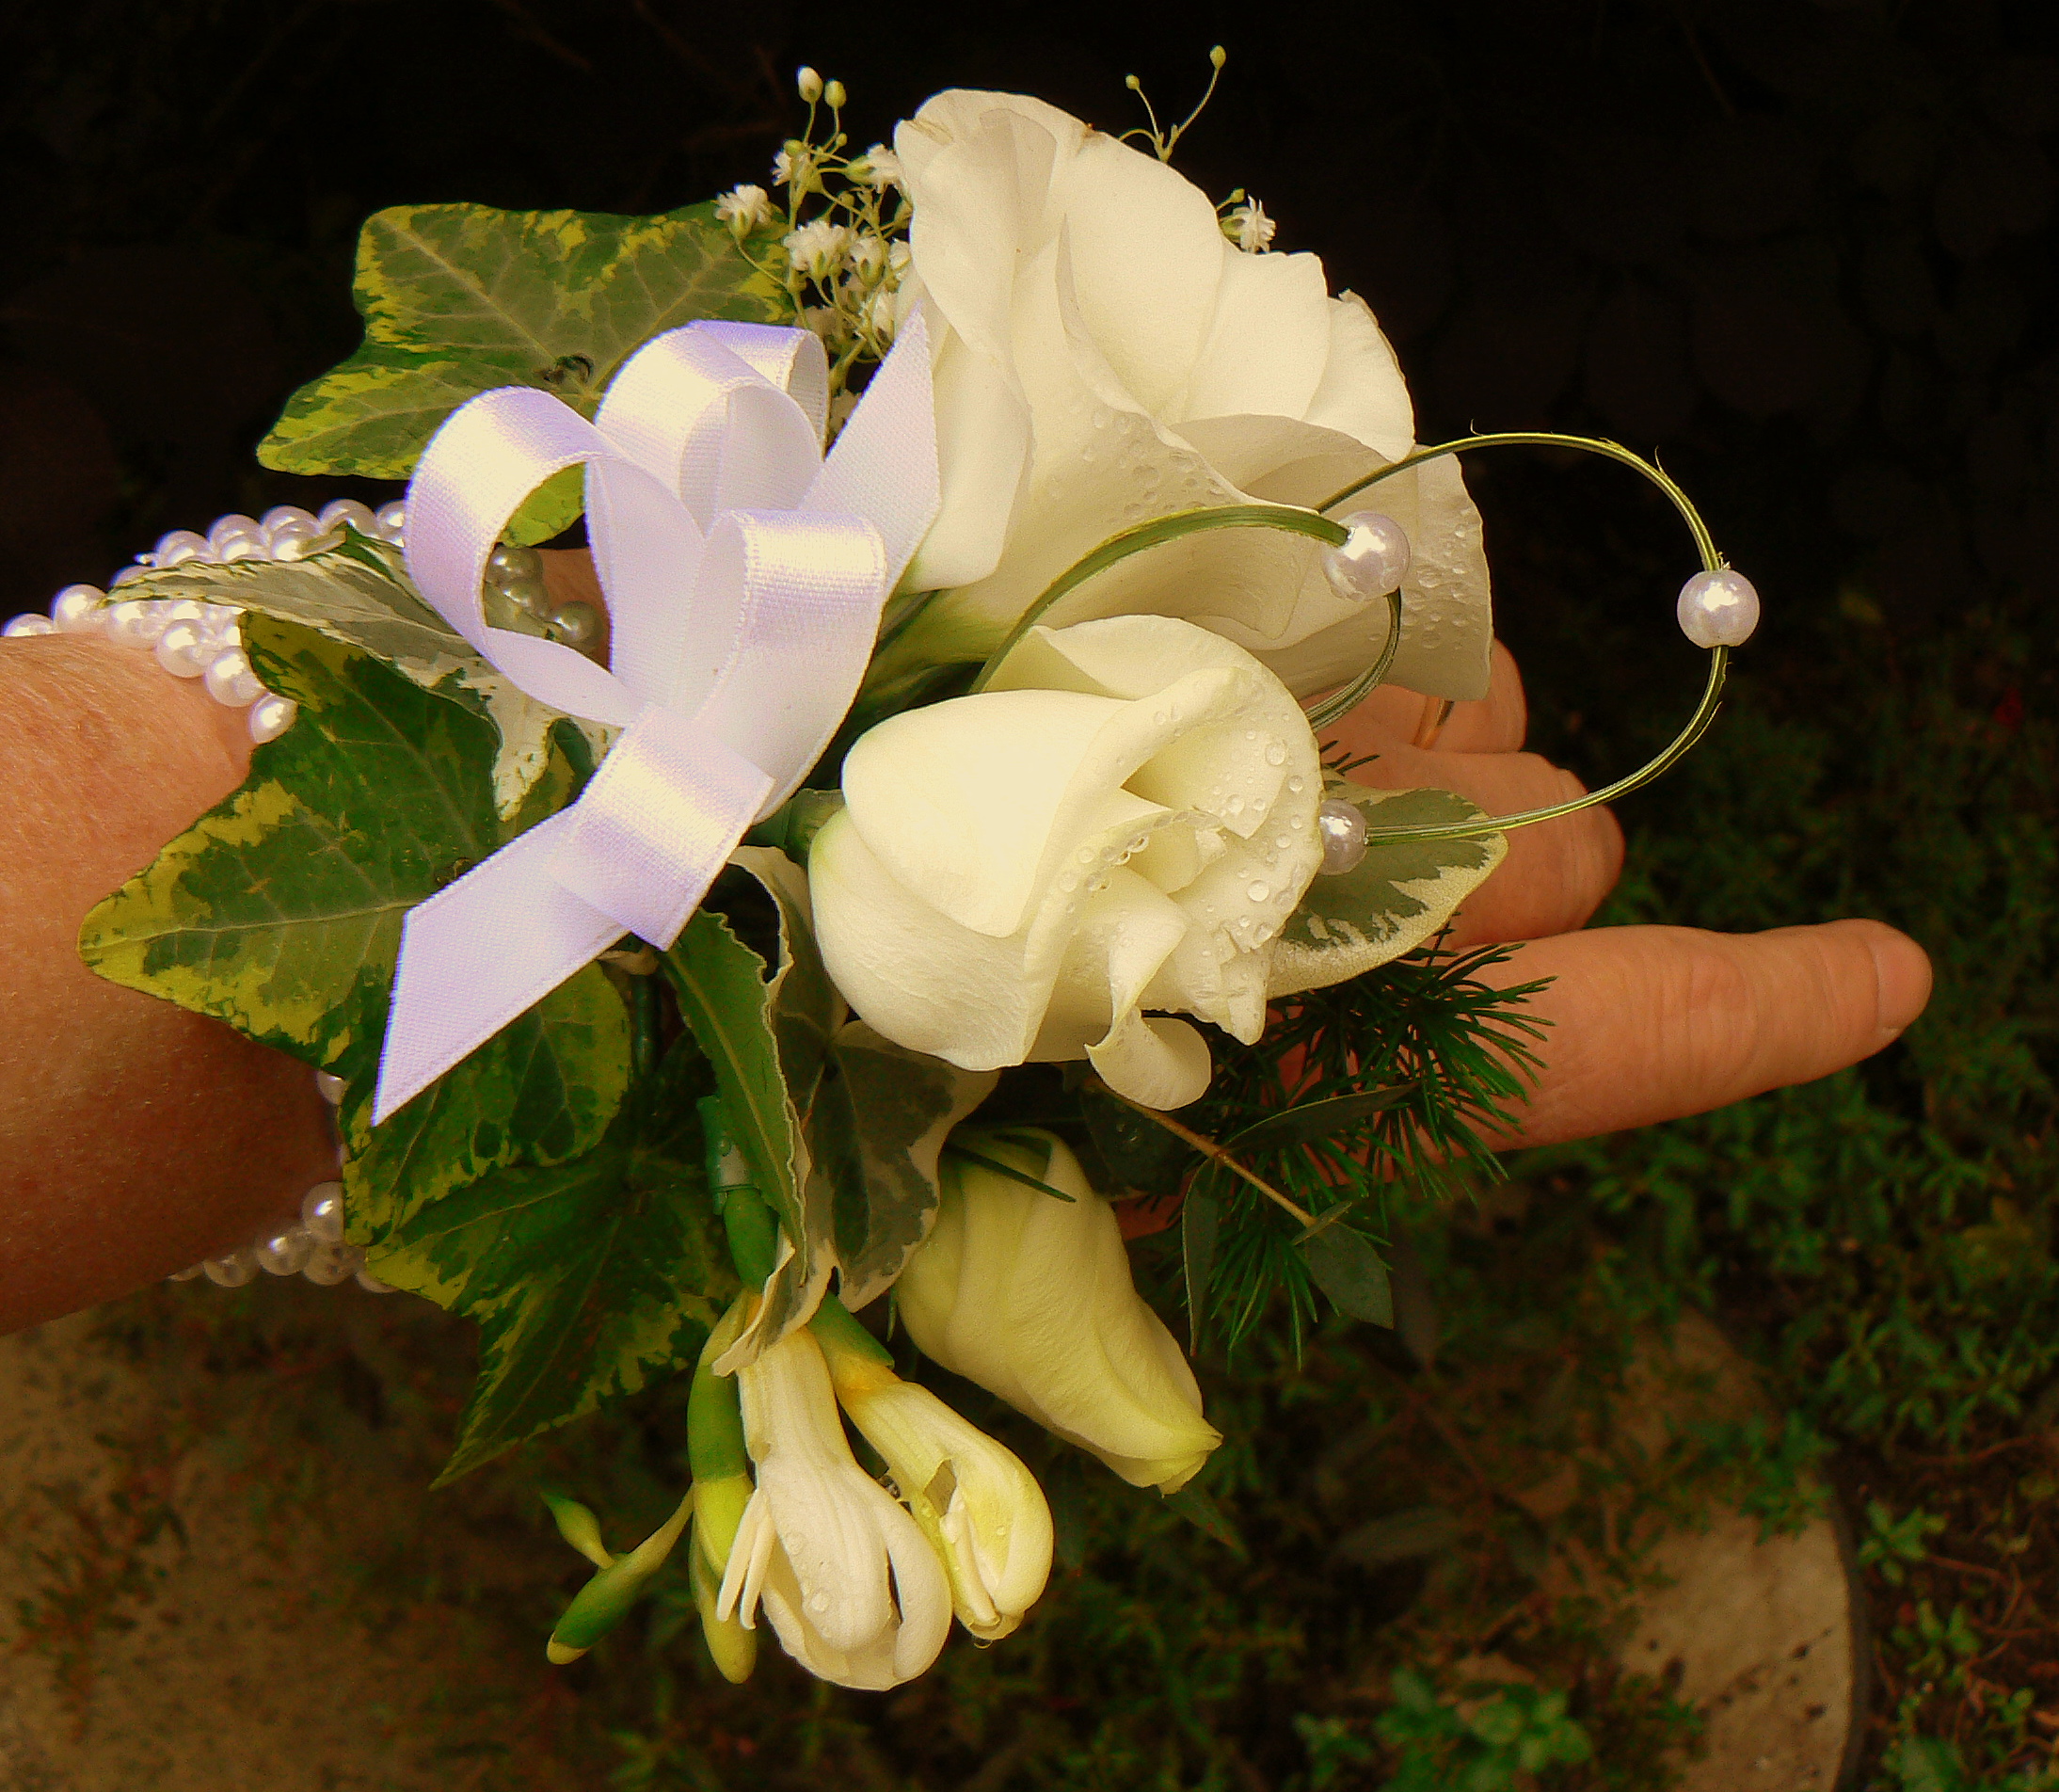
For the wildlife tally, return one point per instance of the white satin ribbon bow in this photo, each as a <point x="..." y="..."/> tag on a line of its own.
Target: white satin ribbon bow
<point x="744" y="574"/>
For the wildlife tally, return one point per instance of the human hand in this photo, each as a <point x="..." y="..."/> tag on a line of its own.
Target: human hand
<point x="1649" y="1023"/>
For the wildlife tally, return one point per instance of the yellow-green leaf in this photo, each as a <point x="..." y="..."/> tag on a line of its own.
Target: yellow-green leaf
<point x="461" y="298"/>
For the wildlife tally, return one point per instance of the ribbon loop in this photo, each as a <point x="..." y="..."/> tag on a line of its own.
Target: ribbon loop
<point x="744" y="574"/>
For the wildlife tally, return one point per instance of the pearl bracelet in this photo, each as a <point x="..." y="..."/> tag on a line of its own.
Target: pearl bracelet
<point x="194" y="640"/>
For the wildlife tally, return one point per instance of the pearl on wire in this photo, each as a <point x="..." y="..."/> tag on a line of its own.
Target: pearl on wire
<point x="321" y="1212"/>
<point x="1372" y="559"/>
<point x="1341" y="827"/>
<point x="271" y="717"/>
<point x="80" y="609"/>
<point x="26" y="625"/>
<point x="1719" y="609"/>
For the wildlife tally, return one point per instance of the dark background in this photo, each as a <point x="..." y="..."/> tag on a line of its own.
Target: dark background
<point x="1801" y="250"/>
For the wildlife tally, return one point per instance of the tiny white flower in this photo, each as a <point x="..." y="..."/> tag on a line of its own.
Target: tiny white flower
<point x="818" y="248"/>
<point x="854" y="1590"/>
<point x="744" y="209"/>
<point x="881" y="315"/>
<point x="868" y="256"/>
<point x="980" y="1508"/>
<point x="879" y="167"/>
<point x="1249" y="227"/>
<point x="828" y="323"/>
<point x="794" y="167"/>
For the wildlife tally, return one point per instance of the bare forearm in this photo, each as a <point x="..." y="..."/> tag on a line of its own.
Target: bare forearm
<point x="134" y="1138"/>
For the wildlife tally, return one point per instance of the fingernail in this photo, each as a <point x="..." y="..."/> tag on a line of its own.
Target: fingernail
<point x="1902" y="968"/>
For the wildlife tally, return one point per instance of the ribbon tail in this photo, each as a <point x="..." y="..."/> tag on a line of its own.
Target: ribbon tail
<point x="480" y="952"/>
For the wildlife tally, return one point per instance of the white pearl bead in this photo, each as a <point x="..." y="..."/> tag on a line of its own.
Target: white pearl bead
<point x="271" y="717"/>
<point x="333" y="1263"/>
<point x="332" y="1088"/>
<point x="372" y="1284"/>
<point x="230" y="681"/>
<point x="180" y="546"/>
<point x="182" y="650"/>
<point x="137" y="623"/>
<point x="278" y="516"/>
<point x="233" y="527"/>
<point x="1371" y="561"/>
<point x="576" y="624"/>
<point x="291" y="541"/>
<point x="233" y="1270"/>
<point x="128" y="575"/>
<point x="390" y="520"/>
<point x="347" y="510"/>
<point x="24" y="625"/>
<point x="285" y="1253"/>
<point x="1341" y="827"/>
<point x="321" y="1212"/>
<point x="1719" y="609"/>
<point x="80" y="609"/>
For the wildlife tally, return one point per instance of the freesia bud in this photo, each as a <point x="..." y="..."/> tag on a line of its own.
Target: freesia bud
<point x="722" y="1491"/>
<point x="1030" y="1296"/>
<point x="821" y="1539"/>
<point x="809" y="83"/>
<point x="832" y="93"/>
<point x="980" y="1508"/>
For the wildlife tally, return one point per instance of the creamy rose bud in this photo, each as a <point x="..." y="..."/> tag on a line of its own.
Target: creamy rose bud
<point x="1030" y="1296"/>
<point x="1121" y="821"/>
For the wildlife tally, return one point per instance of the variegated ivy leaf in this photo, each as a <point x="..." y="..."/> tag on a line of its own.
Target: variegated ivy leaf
<point x="457" y="299"/>
<point x="280" y="912"/>
<point x="588" y="1280"/>
<point x="1395" y="897"/>
<point x="879" y="1119"/>
<point x="866" y="1119"/>
<point x="361" y="594"/>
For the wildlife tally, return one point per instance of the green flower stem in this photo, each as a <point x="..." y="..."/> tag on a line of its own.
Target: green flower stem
<point x="1704" y="543"/>
<point x="1711" y="561"/>
<point x="753" y="1231"/>
<point x="1696" y="726"/>
<point x="643" y="1039"/>
<point x="1154" y="534"/>
<point x="605" y="1600"/>
<point x="838" y="1329"/>
<point x="1339" y="704"/>
<point x="715" y="1419"/>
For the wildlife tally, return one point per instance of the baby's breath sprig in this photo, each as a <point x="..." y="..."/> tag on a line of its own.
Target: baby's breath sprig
<point x="1164" y="142"/>
<point x="835" y="240"/>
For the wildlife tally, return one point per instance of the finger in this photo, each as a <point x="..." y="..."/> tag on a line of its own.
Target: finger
<point x="1651" y="1023"/>
<point x="1395" y="716"/>
<point x="1557" y="872"/>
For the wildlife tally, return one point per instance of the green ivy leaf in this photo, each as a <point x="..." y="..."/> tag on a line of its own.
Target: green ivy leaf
<point x="461" y="298"/>
<point x="878" y="1121"/>
<point x="1399" y="895"/>
<point x="589" y="1279"/>
<point x="361" y="594"/>
<point x="280" y="912"/>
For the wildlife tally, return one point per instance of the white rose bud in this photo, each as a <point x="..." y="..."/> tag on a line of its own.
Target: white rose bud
<point x="1031" y="1297"/>
<point x="1124" y="820"/>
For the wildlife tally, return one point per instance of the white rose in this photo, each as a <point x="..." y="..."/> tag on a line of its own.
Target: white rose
<point x="1109" y="358"/>
<point x="1124" y="820"/>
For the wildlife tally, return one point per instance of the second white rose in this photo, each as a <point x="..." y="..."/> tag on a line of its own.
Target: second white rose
<point x="1122" y="821"/>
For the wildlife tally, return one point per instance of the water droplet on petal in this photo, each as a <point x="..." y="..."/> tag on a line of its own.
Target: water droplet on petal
<point x="1295" y="785"/>
<point x="1276" y="753"/>
<point x="1258" y="892"/>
